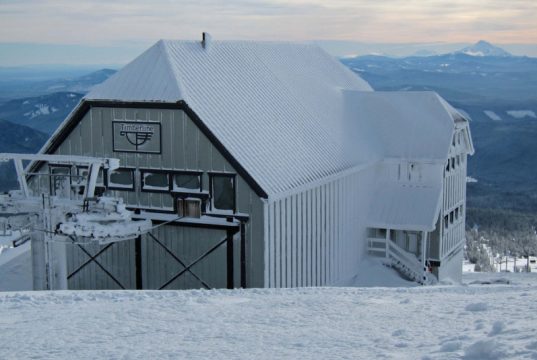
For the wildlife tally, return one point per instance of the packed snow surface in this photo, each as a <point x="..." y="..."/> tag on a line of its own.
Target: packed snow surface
<point x="520" y="114"/>
<point x="492" y="316"/>
<point x="492" y="115"/>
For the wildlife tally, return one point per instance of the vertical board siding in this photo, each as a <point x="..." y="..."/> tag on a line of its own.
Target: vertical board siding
<point x="317" y="233"/>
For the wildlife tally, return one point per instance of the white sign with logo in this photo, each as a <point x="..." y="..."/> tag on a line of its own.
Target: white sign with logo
<point x="136" y="136"/>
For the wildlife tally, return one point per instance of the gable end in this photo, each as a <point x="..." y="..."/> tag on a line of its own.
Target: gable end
<point x="57" y="139"/>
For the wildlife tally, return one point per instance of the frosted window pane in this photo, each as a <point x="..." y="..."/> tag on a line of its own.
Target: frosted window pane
<point x="122" y="178"/>
<point x="156" y="181"/>
<point x="186" y="181"/>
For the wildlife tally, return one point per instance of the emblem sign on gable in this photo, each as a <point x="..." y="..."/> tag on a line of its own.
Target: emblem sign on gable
<point x="136" y="136"/>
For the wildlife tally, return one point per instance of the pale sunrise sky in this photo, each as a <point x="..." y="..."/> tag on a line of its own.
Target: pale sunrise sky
<point x="136" y="24"/>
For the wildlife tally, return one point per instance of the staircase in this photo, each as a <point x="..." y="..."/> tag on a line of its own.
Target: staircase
<point x="407" y="264"/>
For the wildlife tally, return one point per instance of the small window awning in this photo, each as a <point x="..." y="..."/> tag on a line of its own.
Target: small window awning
<point x="403" y="206"/>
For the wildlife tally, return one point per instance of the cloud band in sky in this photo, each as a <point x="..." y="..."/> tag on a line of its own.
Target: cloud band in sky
<point x="112" y="21"/>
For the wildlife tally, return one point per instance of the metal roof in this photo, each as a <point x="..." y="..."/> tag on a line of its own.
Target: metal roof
<point x="408" y="125"/>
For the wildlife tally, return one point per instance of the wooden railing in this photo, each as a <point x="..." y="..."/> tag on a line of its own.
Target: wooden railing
<point x="404" y="262"/>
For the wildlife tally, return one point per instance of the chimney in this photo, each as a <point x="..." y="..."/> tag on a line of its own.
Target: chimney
<point x="206" y="40"/>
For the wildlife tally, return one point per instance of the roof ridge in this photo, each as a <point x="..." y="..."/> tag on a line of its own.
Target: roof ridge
<point x="177" y="83"/>
<point x="247" y="41"/>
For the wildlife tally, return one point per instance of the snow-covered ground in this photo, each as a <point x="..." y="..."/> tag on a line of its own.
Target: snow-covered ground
<point x="520" y="114"/>
<point x="490" y="316"/>
<point x="477" y="320"/>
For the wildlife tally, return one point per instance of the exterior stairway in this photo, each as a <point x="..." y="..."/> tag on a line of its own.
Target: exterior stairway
<point x="407" y="264"/>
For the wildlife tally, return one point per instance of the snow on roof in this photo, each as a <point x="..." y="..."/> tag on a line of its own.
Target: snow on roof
<point x="405" y="206"/>
<point x="408" y="125"/>
<point x="149" y="77"/>
<point x="275" y="106"/>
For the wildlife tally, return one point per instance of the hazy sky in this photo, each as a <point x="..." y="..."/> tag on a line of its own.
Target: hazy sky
<point x="140" y="23"/>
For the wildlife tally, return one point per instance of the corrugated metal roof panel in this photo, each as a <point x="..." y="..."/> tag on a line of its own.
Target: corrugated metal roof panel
<point x="409" y="125"/>
<point x="149" y="77"/>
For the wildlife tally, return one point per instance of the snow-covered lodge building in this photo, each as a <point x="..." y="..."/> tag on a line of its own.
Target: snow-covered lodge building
<point x="266" y="164"/>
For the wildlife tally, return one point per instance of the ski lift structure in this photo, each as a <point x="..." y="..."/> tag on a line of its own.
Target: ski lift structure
<point x="76" y="216"/>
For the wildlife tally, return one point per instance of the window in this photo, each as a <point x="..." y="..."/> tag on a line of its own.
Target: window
<point x="155" y="181"/>
<point x="82" y="176"/>
<point x="452" y="163"/>
<point x="60" y="181"/>
<point x="186" y="182"/>
<point x="451" y="217"/>
<point x="457" y="214"/>
<point x="222" y="192"/>
<point x="121" y="179"/>
<point x="447" y="166"/>
<point x="446" y="222"/>
<point x="458" y="160"/>
<point x="81" y="179"/>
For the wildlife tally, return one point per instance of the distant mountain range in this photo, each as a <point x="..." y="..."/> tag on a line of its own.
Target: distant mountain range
<point x="26" y="123"/>
<point x="43" y="113"/>
<point x="456" y="76"/>
<point x="17" y="87"/>
<point x="18" y="139"/>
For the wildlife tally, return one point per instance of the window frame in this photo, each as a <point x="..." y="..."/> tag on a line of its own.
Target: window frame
<point x="192" y="192"/>
<point x="233" y="176"/>
<point x="64" y="166"/>
<point x="100" y="187"/>
<point x="154" y="171"/>
<point x="79" y="168"/>
<point x="107" y="174"/>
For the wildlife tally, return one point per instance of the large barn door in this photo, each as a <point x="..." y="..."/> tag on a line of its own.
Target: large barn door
<point x="187" y="258"/>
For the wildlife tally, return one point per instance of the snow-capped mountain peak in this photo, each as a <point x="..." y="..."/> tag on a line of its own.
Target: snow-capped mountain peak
<point x="484" y="48"/>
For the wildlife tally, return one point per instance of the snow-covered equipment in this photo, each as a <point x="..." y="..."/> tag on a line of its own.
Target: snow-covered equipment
<point x="16" y="212"/>
<point x="104" y="220"/>
<point x="69" y="213"/>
